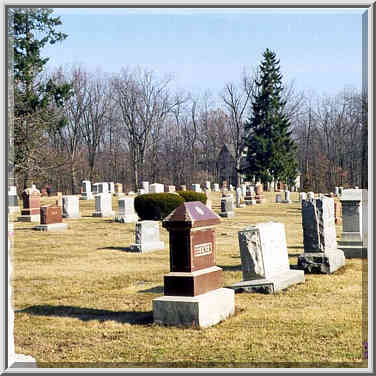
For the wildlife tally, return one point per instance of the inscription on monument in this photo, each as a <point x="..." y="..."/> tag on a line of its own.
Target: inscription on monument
<point x="202" y="249"/>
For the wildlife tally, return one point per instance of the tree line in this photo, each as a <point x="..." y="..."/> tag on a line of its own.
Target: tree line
<point x="71" y="125"/>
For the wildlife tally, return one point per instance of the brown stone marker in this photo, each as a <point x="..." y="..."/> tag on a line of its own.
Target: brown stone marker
<point x="259" y="193"/>
<point x="192" y="251"/>
<point x="31" y="202"/>
<point x="50" y="214"/>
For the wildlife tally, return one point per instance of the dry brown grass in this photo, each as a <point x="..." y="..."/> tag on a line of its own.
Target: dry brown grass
<point x="81" y="301"/>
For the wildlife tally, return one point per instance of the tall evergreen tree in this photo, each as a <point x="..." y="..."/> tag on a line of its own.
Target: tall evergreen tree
<point x="31" y="29"/>
<point x="270" y="148"/>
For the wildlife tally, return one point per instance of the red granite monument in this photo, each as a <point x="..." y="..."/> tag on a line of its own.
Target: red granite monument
<point x="31" y="205"/>
<point x="192" y="289"/>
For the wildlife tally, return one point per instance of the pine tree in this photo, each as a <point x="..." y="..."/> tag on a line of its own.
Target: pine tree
<point x="31" y="29"/>
<point x="270" y="148"/>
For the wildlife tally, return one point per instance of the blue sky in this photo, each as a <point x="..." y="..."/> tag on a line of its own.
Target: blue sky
<point x="320" y="50"/>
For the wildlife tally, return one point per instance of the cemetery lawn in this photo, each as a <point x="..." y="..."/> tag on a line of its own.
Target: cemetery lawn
<point x="80" y="300"/>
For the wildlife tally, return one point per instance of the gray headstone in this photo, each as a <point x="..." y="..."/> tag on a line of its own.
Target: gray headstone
<point x="71" y="206"/>
<point x="147" y="237"/>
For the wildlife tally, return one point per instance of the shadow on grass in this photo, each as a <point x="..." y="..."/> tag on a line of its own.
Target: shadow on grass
<point x="123" y="249"/>
<point x="230" y="268"/>
<point x="294" y="254"/>
<point x="87" y="314"/>
<point x="156" y="290"/>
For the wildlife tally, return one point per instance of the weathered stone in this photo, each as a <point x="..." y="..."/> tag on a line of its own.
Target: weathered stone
<point x="71" y="206"/>
<point x="265" y="264"/>
<point x="319" y="236"/>
<point x="147" y="237"/>
<point x="103" y="205"/>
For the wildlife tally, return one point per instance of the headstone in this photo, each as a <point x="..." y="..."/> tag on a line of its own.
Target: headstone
<point x="216" y="187"/>
<point x="265" y="262"/>
<point x="59" y="199"/>
<point x="71" y="207"/>
<point x="145" y="186"/>
<point x="103" y="205"/>
<point x="336" y="191"/>
<point x="31" y="205"/>
<point x="147" y="237"/>
<point x="338" y="213"/>
<point x="302" y="196"/>
<point x="193" y="295"/>
<point x="171" y="189"/>
<point x="260" y="194"/>
<point x="183" y="187"/>
<point x="103" y="188"/>
<point x="126" y="213"/>
<point x="196" y="188"/>
<point x="277" y="198"/>
<point x="118" y="190"/>
<point x="244" y="190"/>
<point x="239" y="203"/>
<point x="156" y="188"/>
<point x="141" y="191"/>
<point x="319" y="235"/>
<point x="111" y="187"/>
<point x="287" y="199"/>
<point x="310" y="195"/>
<point x="340" y="191"/>
<point x="227" y="207"/>
<point x="250" y="198"/>
<point x="208" y="186"/>
<point x="231" y="187"/>
<point x="86" y="190"/>
<point x="352" y="242"/>
<point x="51" y="219"/>
<point x="95" y="188"/>
<point x="12" y="199"/>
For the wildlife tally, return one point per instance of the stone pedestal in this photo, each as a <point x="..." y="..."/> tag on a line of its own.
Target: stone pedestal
<point x="147" y="237"/>
<point x="200" y="311"/>
<point x="192" y="290"/>
<point x="319" y="235"/>
<point x="265" y="263"/>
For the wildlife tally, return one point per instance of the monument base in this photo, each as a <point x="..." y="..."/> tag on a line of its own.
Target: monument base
<point x="321" y="262"/>
<point x="354" y="249"/>
<point x="147" y="247"/>
<point x="29" y="218"/>
<point x="271" y="285"/>
<point x="227" y="214"/>
<point x="200" y="311"/>
<point x="104" y="214"/>
<point x="52" y="227"/>
<point x="126" y="218"/>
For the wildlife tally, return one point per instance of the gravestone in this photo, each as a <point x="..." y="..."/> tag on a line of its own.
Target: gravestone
<point x="278" y="198"/>
<point x="118" y="190"/>
<point x="86" y="190"/>
<point x="265" y="261"/>
<point x="59" y="201"/>
<point x="111" y="188"/>
<point x="302" y="196"/>
<point x="156" y="188"/>
<point x="12" y="199"/>
<point x="71" y="207"/>
<point x="352" y="242"/>
<point x="340" y="191"/>
<point x="31" y="205"/>
<point x="196" y="188"/>
<point x="244" y="190"/>
<point x="239" y="203"/>
<point x="227" y="207"/>
<point x="147" y="237"/>
<point x="336" y="191"/>
<point x="319" y="236"/>
<point x="310" y="195"/>
<point x="103" y="188"/>
<point x="141" y="191"/>
<point x="216" y="187"/>
<point x="126" y="212"/>
<point x="287" y="199"/>
<point x="94" y="189"/>
<point x="51" y="219"/>
<point x="260" y="194"/>
<point x="208" y="186"/>
<point x="193" y="295"/>
<point x="183" y="187"/>
<point x="145" y="186"/>
<point x="250" y="198"/>
<point x="103" y="205"/>
<point x="171" y="189"/>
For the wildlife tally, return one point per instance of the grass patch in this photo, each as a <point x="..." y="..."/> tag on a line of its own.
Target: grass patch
<point x="81" y="301"/>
